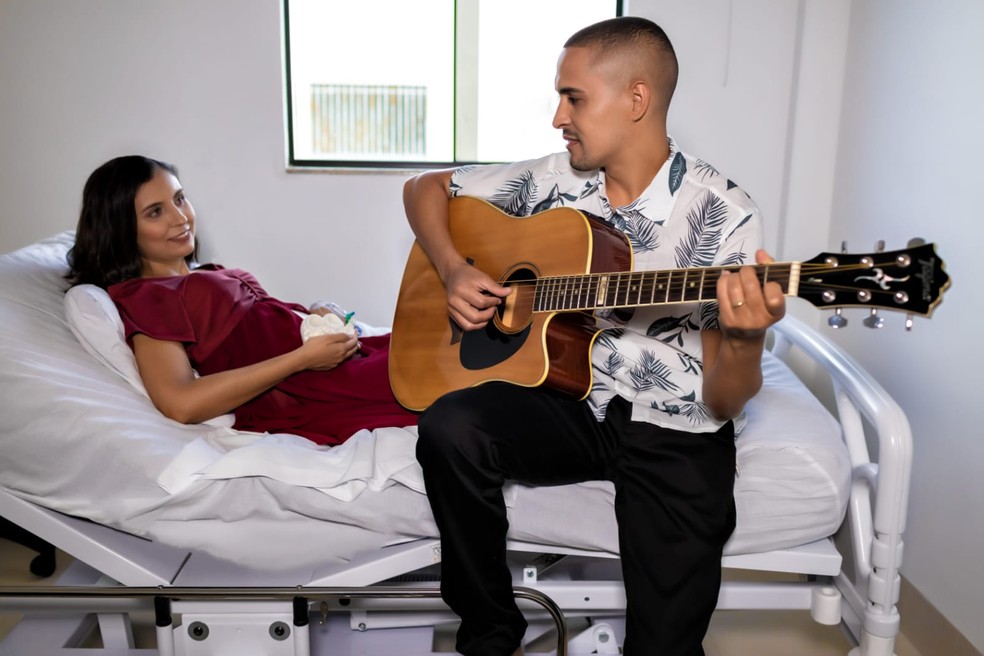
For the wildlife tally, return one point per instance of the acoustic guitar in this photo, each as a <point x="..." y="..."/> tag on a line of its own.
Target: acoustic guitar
<point x="561" y="265"/>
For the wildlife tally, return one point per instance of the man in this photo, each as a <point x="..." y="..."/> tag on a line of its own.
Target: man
<point x="670" y="382"/>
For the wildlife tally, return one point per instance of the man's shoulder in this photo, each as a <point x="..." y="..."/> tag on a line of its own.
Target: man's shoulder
<point x="528" y="186"/>
<point x="703" y="175"/>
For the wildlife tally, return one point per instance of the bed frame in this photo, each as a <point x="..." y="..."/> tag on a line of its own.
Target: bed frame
<point x="386" y="602"/>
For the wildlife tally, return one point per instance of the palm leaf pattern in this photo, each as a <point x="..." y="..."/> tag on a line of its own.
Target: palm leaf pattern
<point x="642" y="235"/>
<point x="735" y="259"/>
<point x="613" y="364"/>
<point x="516" y="196"/>
<point x="608" y="338"/>
<point x="651" y="372"/>
<point x="678" y="169"/>
<point x="615" y="219"/>
<point x="688" y="407"/>
<point x="689" y="363"/>
<point x="706" y="219"/>
<point x="669" y="329"/>
<point x="599" y="399"/>
<point x="606" y="211"/>
<point x="553" y="199"/>
<point x="590" y="187"/>
<point x="697" y="413"/>
<point x="709" y="315"/>
<point x="641" y="231"/>
<point x="705" y="170"/>
<point x="634" y="210"/>
<point x="454" y="186"/>
<point x="738" y="225"/>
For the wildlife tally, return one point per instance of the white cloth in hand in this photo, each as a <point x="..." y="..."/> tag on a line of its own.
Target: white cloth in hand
<point x="316" y="324"/>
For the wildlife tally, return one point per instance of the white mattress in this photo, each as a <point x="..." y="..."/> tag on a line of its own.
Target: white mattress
<point x="77" y="438"/>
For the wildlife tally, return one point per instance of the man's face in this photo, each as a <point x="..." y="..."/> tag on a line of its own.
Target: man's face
<point x="591" y="109"/>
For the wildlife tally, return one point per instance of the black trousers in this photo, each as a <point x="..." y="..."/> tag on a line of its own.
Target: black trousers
<point x="674" y="505"/>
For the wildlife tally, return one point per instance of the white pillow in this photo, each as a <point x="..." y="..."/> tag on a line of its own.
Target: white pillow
<point x="96" y="323"/>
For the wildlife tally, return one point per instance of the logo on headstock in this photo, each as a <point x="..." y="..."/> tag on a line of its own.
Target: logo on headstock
<point x="882" y="279"/>
<point x="926" y="276"/>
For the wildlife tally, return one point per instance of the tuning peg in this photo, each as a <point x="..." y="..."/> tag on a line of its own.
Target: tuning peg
<point x="837" y="319"/>
<point x="908" y="322"/>
<point x="843" y="247"/>
<point x="879" y="245"/>
<point x="916" y="241"/>
<point x="873" y="320"/>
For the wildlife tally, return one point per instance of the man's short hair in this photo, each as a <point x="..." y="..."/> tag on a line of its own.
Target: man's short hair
<point x="629" y="34"/>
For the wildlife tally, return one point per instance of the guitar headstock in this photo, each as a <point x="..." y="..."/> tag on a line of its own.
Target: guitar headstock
<point x="911" y="280"/>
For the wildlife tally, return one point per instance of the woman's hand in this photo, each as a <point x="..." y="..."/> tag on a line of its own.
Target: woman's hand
<point x="325" y="352"/>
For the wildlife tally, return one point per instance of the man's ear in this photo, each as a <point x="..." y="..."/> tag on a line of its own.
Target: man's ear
<point x="641" y="96"/>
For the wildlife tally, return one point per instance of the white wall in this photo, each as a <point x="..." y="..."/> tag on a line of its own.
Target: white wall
<point x="909" y="164"/>
<point x="199" y="83"/>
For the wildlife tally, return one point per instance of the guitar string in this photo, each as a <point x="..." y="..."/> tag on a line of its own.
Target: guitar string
<point x="708" y="272"/>
<point x="580" y="291"/>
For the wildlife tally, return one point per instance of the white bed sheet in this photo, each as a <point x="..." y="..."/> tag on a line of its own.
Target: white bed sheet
<point x="77" y="438"/>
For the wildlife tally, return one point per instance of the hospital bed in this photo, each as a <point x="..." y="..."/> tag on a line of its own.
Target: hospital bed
<point x="232" y="541"/>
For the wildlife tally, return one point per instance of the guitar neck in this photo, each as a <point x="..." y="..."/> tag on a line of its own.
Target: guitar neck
<point x="641" y="288"/>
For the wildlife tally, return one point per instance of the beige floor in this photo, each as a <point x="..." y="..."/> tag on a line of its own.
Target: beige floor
<point x="732" y="633"/>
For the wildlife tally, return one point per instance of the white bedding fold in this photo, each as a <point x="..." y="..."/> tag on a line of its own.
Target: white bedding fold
<point x="366" y="461"/>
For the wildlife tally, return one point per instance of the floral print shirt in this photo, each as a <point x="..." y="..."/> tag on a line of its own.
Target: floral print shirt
<point x="689" y="216"/>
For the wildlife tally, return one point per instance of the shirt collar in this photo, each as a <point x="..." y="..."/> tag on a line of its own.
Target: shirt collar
<point x="657" y="201"/>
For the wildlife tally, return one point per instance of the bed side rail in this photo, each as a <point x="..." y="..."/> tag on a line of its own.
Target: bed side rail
<point x="868" y="416"/>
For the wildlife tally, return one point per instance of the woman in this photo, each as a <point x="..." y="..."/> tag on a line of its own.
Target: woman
<point x="136" y="239"/>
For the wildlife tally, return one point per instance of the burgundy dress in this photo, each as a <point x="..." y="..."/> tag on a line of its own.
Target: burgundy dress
<point x="225" y="320"/>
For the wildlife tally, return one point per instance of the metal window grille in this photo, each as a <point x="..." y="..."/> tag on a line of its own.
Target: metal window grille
<point x="369" y="119"/>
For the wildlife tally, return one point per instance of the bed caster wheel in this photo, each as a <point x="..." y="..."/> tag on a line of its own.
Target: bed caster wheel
<point x="44" y="564"/>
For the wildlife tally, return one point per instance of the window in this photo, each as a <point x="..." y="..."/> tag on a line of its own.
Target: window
<point x="391" y="83"/>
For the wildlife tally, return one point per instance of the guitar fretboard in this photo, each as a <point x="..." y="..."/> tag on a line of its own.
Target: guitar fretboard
<point x="640" y="288"/>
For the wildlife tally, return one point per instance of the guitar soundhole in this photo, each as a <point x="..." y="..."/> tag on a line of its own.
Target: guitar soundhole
<point x="489" y="346"/>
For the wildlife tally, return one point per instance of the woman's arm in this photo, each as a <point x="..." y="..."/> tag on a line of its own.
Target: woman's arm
<point x="176" y="391"/>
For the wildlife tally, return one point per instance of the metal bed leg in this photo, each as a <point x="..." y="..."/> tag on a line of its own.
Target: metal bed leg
<point x="165" y="626"/>
<point x="302" y="636"/>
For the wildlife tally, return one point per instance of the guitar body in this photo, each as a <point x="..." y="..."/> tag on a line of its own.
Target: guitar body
<point x="430" y="355"/>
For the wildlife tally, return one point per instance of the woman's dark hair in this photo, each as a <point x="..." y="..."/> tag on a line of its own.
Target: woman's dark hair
<point x="105" y="250"/>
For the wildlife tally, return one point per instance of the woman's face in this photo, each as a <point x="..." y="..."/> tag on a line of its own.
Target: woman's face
<point x="165" y="226"/>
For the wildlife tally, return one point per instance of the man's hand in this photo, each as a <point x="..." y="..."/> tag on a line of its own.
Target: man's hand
<point x="472" y="296"/>
<point x="746" y="309"/>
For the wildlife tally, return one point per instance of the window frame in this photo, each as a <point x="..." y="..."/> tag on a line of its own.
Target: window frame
<point x="294" y="164"/>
